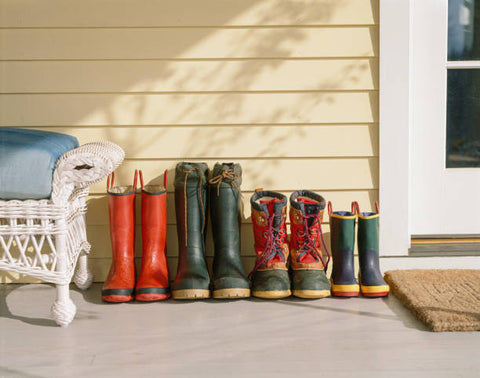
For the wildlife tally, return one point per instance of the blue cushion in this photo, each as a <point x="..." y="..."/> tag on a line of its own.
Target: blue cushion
<point x="27" y="161"/>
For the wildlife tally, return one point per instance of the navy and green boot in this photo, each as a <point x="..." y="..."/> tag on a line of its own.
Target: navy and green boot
<point x="192" y="280"/>
<point x="307" y="262"/>
<point x="270" y="274"/>
<point x="371" y="279"/>
<point x="342" y="242"/>
<point x="229" y="278"/>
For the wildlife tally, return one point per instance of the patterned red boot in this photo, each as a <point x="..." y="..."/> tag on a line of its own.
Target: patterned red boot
<point x="306" y="260"/>
<point x="270" y="274"/>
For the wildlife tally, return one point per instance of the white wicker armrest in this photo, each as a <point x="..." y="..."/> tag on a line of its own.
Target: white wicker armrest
<point x="84" y="166"/>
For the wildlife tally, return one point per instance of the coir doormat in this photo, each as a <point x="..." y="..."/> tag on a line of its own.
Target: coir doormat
<point x="445" y="300"/>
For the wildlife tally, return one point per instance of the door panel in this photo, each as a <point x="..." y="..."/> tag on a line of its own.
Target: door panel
<point x="445" y="195"/>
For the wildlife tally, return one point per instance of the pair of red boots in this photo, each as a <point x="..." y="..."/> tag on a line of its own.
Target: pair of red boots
<point x="296" y="266"/>
<point x="153" y="282"/>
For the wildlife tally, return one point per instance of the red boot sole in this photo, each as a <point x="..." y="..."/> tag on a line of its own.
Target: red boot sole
<point x="117" y="298"/>
<point x="152" y="297"/>
<point x="348" y="294"/>
<point x="375" y="295"/>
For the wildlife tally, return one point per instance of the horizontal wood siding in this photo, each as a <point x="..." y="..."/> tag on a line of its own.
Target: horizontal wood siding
<point x="119" y="76"/>
<point x="287" y="88"/>
<point x="184" y="13"/>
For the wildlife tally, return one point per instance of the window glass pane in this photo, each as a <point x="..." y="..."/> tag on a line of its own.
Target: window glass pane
<point x="463" y="118"/>
<point x="464" y="30"/>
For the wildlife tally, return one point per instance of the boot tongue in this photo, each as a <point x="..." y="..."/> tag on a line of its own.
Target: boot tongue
<point x="310" y="207"/>
<point x="274" y="206"/>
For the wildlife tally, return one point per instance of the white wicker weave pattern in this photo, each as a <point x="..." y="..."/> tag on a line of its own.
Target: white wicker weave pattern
<point x="45" y="238"/>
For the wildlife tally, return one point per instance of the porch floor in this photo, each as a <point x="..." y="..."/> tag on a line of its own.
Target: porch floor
<point x="284" y="338"/>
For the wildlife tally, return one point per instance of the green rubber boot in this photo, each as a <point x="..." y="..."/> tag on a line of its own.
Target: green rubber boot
<point x="192" y="280"/>
<point x="372" y="283"/>
<point x="342" y="241"/>
<point x="229" y="278"/>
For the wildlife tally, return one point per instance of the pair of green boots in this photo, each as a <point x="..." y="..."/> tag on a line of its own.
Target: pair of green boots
<point x="342" y="233"/>
<point x="197" y="193"/>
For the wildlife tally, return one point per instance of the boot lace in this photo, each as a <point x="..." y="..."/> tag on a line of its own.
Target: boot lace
<point x="227" y="174"/>
<point x="273" y="247"/>
<point x="310" y="245"/>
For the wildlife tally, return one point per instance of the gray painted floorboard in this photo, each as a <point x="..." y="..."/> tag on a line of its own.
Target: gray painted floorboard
<point x="357" y="337"/>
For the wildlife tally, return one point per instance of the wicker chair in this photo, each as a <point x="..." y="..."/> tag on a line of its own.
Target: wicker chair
<point x="45" y="238"/>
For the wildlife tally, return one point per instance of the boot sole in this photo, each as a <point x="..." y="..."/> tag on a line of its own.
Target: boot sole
<point x="375" y="291"/>
<point x="231" y="293"/>
<point x="152" y="294"/>
<point x="274" y="294"/>
<point x="117" y="295"/>
<point x="117" y="298"/>
<point x="151" y="297"/>
<point x="345" y="290"/>
<point x="191" y="294"/>
<point x="308" y="294"/>
<point x="345" y="294"/>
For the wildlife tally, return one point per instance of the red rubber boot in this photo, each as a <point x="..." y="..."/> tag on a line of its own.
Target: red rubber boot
<point x="153" y="283"/>
<point x="120" y="282"/>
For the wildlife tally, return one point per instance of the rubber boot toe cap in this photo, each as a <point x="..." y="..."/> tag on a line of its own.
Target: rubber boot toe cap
<point x="310" y="284"/>
<point x="373" y="286"/>
<point x="117" y="295"/>
<point x="152" y="294"/>
<point x="345" y="287"/>
<point x="271" y="284"/>
<point x="231" y="287"/>
<point x="191" y="288"/>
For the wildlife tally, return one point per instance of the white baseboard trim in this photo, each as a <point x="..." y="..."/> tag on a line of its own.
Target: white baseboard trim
<point x="409" y="262"/>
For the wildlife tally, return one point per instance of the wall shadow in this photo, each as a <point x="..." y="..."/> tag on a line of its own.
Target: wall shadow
<point x="176" y="94"/>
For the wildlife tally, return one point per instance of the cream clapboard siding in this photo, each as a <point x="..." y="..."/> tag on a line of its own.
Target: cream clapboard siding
<point x="287" y="88"/>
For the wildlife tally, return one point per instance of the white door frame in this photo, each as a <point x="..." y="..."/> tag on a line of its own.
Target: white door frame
<point x="396" y="142"/>
<point x="395" y="104"/>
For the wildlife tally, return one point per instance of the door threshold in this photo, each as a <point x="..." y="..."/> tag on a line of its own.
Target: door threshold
<point x="444" y="245"/>
<point x="428" y="262"/>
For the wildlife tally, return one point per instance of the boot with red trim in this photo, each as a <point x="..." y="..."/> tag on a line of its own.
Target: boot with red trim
<point x="153" y="283"/>
<point x="307" y="262"/>
<point x="120" y="283"/>
<point x="342" y="242"/>
<point x="371" y="280"/>
<point x="270" y="274"/>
